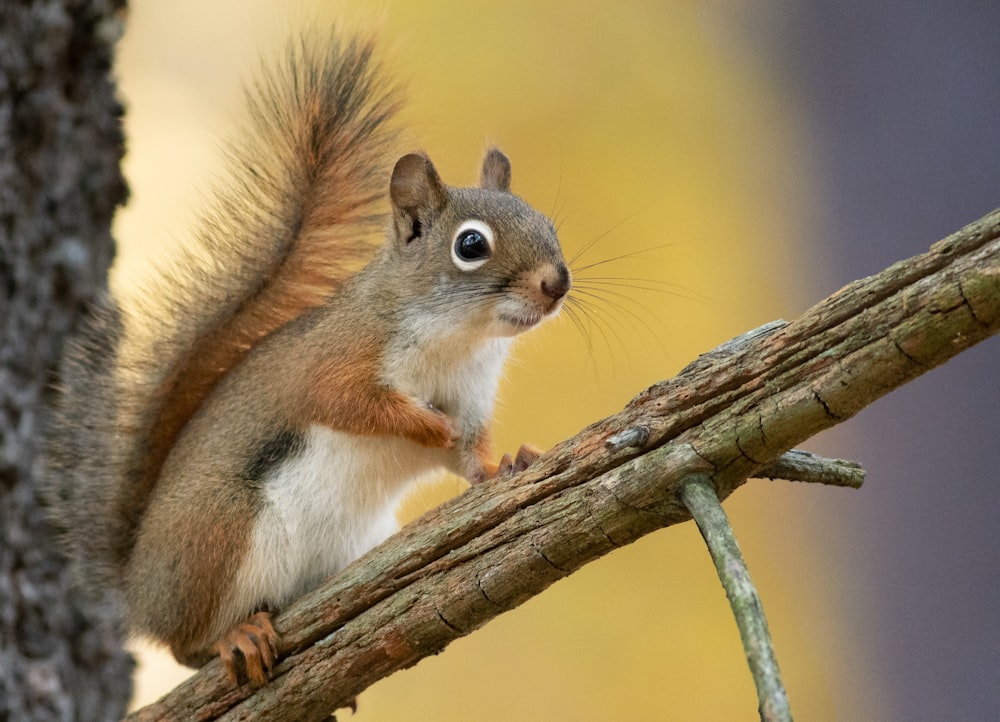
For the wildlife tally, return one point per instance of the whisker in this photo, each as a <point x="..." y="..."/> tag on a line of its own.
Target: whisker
<point x="593" y="323"/>
<point x="574" y="314"/>
<point x="590" y="244"/>
<point x="557" y="220"/>
<point x="606" y="329"/>
<point x="628" y="314"/>
<point x="555" y="201"/>
<point x="621" y="257"/>
<point x="652" y="285"/>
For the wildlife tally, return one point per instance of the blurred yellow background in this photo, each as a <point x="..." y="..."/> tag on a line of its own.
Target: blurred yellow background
<point x="643" y="128"/>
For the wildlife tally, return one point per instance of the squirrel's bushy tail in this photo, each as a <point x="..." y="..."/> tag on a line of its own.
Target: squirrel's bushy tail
<point x="305" y="183"/>
<point x="83" y="458"/>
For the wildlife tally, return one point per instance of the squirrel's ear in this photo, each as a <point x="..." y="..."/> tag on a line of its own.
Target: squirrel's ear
<point x="417" y="194"/>
<point x="495" y="175"/>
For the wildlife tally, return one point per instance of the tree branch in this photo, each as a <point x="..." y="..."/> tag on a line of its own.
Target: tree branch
<point x="728" y="415"/>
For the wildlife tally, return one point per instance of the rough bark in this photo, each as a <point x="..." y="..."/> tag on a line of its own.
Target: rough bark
<point x="60" y="146"/>
<point x="728" y="415"/>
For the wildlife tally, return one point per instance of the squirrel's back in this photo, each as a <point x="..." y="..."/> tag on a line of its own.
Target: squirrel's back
<point x="306" y="180"/>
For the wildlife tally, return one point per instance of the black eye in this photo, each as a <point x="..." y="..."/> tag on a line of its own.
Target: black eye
<point x="471" y="245"/>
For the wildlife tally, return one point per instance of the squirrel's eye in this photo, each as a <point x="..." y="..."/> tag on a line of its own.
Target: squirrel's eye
<point x="473" y="245"/>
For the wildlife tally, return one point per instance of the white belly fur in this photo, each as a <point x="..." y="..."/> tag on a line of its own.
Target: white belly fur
<point x="323" y="508"/>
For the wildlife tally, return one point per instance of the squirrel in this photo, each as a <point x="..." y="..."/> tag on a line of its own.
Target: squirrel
<point x="247" y="429"/>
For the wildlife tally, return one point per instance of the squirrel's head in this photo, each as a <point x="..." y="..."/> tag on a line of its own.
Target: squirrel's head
<point x="480" y="257"/>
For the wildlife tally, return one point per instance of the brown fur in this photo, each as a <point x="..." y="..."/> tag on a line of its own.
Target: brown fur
<point x="192" y="551"/>
<point x="304" y="225"/>
<point x="305" y="260"/>
<point x="278" y="332"/>
<point x="303" y="203"/>
<point x="345" y="394"/>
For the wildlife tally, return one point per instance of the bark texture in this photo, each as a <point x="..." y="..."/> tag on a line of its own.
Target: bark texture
<point x="727" y="416"/>
<point x="60" y="147"/>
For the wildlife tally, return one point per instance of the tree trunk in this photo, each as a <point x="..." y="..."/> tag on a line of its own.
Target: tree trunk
<point x="60" y="147"/>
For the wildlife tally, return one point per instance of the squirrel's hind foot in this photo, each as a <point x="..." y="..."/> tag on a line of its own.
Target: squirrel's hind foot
<point x="255" y="641"/>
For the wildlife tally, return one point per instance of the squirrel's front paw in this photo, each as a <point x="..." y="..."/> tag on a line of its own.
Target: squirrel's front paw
<point x="508" y="465"/>
<point x="255" y="641"/>
<point x="438" y="431"/>
<point x="524" y="458"/>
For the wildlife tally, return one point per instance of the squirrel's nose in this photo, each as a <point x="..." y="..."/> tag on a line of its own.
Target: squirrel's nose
<point x="557" y="285"/>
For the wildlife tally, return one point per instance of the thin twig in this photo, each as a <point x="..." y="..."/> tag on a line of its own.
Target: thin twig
<point x="700" y="498"/>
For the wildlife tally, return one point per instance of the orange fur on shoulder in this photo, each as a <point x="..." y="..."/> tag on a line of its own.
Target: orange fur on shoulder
<point x="346" y="394"/>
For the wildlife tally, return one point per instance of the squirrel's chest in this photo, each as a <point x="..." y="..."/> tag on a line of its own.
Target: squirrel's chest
<point x="323" y="507"/>
<point x="460" y="381"/>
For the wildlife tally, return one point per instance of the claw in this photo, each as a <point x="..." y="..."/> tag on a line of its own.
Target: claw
<point x="256" y="641"/>
<point x="351" y="704"/>
<point x="524" y="458"/>
<point x="506" y="466"/>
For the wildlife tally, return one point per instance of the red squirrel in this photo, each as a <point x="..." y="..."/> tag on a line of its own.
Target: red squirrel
<point x="217" y="459"/>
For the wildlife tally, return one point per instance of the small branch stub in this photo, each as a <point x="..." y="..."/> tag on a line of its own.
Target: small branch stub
<point x="798" y="465"/>
<point x="635" y="437"/>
